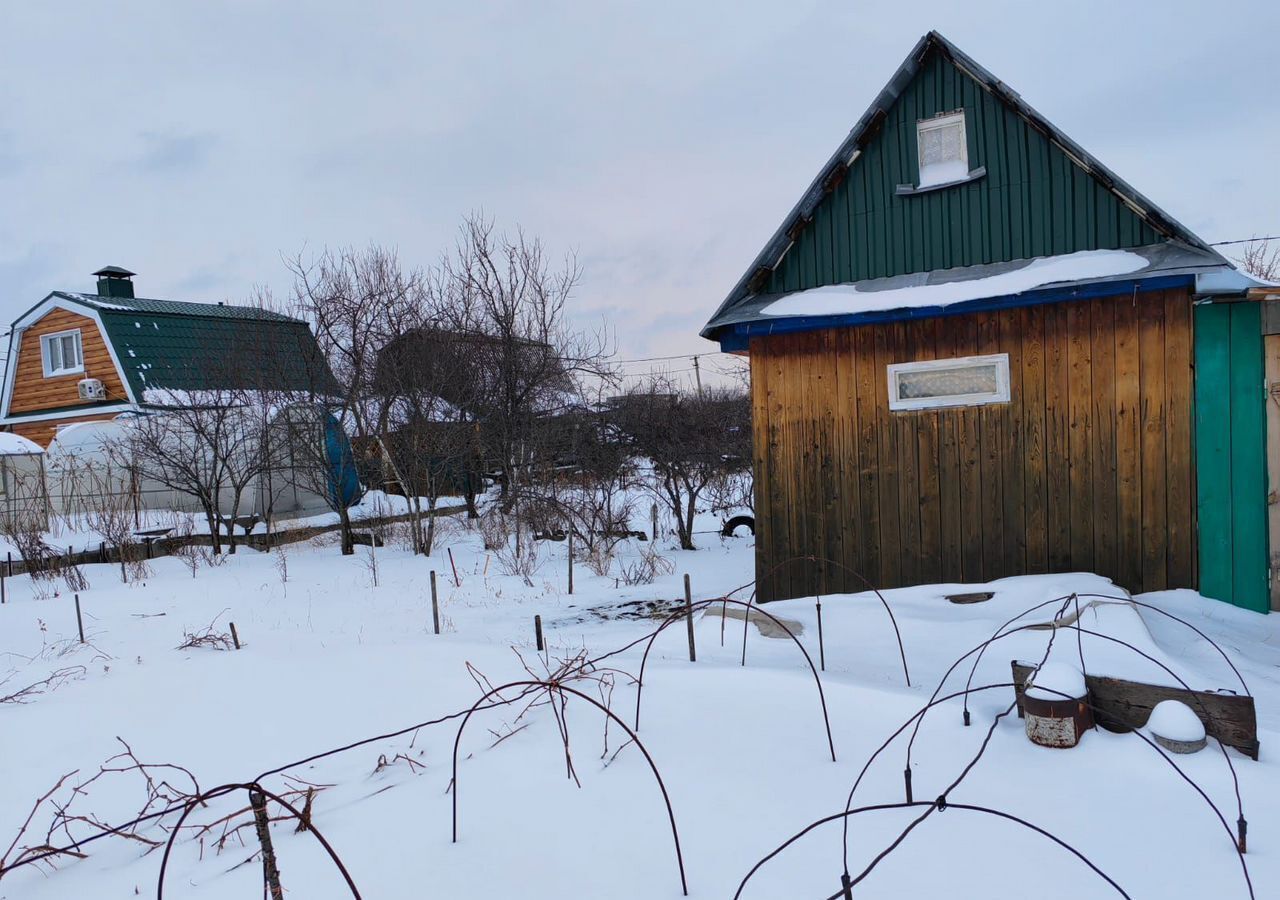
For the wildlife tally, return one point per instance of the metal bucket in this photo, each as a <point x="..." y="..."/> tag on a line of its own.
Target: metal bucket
<point x="1056" y="723"/>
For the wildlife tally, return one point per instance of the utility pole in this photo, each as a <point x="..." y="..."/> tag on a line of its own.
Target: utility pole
<point x="697" y="374"/>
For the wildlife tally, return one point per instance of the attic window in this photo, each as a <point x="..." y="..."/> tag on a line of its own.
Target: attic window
<point x="60" y="353"/>
<point x="937" y="383"/>
<point x="943" y="150"/>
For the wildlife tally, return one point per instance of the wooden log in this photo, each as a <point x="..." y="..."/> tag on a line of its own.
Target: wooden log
<point x="1123" y="705"/>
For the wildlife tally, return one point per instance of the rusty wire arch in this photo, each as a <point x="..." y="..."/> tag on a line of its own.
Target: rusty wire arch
<point x="1119" y="600"/>
<point x="934" y="700"/>
<point x="1004" y="634"/>
<point x="551" y="686"/>
<point x="942" y="805"/>
<point x="224" y="789"/>
<point x="893" y="620"/>
<point x="702" y="604"/>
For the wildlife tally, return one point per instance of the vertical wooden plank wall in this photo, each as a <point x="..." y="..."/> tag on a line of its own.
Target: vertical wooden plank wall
<point x="1231" y="471"/>
<point x="1089" y="467"/>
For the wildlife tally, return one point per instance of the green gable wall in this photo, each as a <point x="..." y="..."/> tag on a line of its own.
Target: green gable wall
<point x="1032" y="202"/>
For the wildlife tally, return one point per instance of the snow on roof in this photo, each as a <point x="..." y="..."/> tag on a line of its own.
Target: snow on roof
<point x="847" y="299"/>
<point x="16" y="445"/>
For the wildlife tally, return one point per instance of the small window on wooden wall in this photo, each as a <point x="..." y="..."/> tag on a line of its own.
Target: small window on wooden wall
<point x="943" y="149"/>
<point x="61" y="353"/>
<point x="936" y="383"/>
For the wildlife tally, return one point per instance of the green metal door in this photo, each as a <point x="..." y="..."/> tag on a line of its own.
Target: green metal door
<point x="1231" y="471"/>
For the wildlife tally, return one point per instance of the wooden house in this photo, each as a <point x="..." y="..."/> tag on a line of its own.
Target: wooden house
<point x="977" y="352"/>
<point x="89" y="357"/>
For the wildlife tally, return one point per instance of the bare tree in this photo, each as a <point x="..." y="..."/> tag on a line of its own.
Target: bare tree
<point x="510" y="302"/>
<point x="423" y="391"/>
<point x="204" y="444"/>
<point x="1261" y="259"/>
<point x="691" y="442"/>
<point x="358" y="302"/>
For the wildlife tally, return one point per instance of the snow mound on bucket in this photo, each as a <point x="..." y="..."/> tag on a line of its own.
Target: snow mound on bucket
<point x="1056" y="681"/>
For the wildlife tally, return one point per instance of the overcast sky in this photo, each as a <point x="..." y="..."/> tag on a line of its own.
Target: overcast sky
<point x="197" y="143"/>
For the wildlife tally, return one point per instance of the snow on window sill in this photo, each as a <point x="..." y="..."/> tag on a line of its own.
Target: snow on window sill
<point x="908" y="190"/>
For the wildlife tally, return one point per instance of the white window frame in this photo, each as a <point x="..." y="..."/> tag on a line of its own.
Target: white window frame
<point x="1000" y="395"/>
<point x="945" y="120"/>
<point x="47" y="339"/>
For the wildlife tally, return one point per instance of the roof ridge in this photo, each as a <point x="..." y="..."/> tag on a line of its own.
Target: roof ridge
<point x="775" y="248"/>
<point x="189" y="308"/>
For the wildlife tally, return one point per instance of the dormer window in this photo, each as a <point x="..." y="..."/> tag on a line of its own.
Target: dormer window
<point x="944" y="152"/>
<point x="60" y="352"/>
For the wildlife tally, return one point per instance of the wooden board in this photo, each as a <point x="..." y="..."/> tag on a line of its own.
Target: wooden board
<point x="1122" y="705"/>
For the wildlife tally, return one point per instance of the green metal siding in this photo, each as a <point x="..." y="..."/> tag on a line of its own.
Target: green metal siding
<point x="1231" y="473"/>
<point x="1033" y="201"/>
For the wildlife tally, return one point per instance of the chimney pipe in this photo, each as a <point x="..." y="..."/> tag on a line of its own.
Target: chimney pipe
<point x="114" y="281"/>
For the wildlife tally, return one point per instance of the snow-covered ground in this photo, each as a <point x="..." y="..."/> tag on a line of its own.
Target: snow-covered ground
<point x="330" y="658"/>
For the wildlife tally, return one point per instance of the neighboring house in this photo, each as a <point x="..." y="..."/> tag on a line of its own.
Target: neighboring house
<point x="976" y="352"/>
<point x="86" y="357"/>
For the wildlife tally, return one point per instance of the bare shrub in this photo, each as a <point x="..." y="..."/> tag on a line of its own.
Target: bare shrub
<point x="29" y="692"/>
<point x="645" y="568"/>
<point x="113" y="517"/>
<point x="371" y="562"/>
<point x="495" y="528"/>
<point x="55" y="819"/>
<point x="599" y="559"/>
<point x="282" y="562"/>
<point x="191" y="554"/>
<point x="208" y="637"/>
<point x="519" y="556"/>
<point x="385" y="762"/>
<point x="574" y="669"/>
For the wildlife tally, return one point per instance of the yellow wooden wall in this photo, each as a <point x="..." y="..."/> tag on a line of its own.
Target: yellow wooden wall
<point x="1089" y="467"/>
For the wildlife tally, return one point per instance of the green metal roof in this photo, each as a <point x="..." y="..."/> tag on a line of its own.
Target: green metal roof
<point x="200" y="346"/>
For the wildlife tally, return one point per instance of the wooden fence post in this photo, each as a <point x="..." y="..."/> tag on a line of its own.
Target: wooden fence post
<point x="270" y="871"/>
<point x="435" y="604"/>
<point x="688" y="616"/>
<point x="537" y="632"/>
<point x="456" y="581"/>
<point x="79" y="619"/>
<point x="570" y="559"/>
<point x="822" y="653"/>
<point x="235" y="637"/>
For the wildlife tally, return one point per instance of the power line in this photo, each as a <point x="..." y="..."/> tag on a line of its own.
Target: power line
<point x="677" y="356"/>
<point x="1273" y="237"/>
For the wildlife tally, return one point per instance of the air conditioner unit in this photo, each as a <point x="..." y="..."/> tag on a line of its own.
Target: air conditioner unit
<point x="91" y="389"/>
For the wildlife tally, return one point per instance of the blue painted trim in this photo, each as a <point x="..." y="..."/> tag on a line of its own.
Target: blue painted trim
<point x="736" y="337"/>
